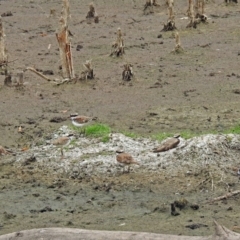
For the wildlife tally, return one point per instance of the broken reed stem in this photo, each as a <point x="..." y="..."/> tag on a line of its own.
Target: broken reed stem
<point x="178" y="47"/>
<point x="66" y="10"/>
<point x="64" y="43"/>
<point x="39" y="74"/>
<point x="177" y="39"/>
<point x="118" y="46"/>
<point x="92" y="14"/>
<point x="149" y="6"/>
<point x="3" y="55"/>
<point x="170" y="4"/>
<point x="170" y="13"/>
<point x="197" y="6"/>
<point x="200" y="7"/>
<point x="88" y="72"/>
<point x="191" y="14"/>
<point x="127" y="73"/>
<point x="227" y="195"/>
<point x="203" y="7"/>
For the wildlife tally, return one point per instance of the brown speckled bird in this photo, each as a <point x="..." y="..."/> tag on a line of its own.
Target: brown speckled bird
<point x="61" y="142"/>
<point x="80" y="121"/>
<point x="168" y="144"/>
<point x="126" y="159"/>
<point x="3" y="151"/>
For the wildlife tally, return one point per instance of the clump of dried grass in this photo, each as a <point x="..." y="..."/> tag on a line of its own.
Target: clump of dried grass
<point x="92" y="15"/>
<point x="170" y="25"/>
<point x="3" y="51"/>
<point x="118" y="46"/>
<point x="88" y="71"/>
<point x="127" y="73"/>
<point x="178" y="48"/>
<point x="199" y="16"/>
<point x="52" y="13"/>
<point x="231" y="1"/>
<point x="13" y="81"/>
<point x="149" y="6"/>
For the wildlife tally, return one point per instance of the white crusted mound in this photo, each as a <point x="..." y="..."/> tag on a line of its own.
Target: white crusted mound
<point x="92" y="156"/>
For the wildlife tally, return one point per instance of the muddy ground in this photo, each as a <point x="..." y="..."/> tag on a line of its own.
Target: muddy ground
<point x="197" y="90"/>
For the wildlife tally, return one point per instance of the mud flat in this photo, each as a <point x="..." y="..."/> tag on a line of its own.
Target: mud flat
<point x="86" y="188"/>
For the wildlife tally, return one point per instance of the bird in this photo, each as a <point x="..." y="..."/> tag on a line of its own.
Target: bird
<point x="61" y="141"/>
<point x="125" y="159"/>
<point x="3" y="151"/>
<point x="80" y="121"/>
<point x="168" y="144"/>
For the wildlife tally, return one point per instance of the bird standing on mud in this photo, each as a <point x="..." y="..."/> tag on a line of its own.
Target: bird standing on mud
<point x="168" y="144"/>
<point x="80" y="121"/>
<point x="125" y="159"/>
<point x="61" y="142"/>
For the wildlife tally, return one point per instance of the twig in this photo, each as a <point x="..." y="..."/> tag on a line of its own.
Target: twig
<point x="227" y="195"/>
<point x="39" y="74"/>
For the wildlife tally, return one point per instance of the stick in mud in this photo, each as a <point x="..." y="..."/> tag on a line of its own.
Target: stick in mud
<point x="173" y="210"/>
<point x="39" y="74"/>
<point x="3" y="54"/>
<point x="178" y="47"/>
<point x="92" y="14"/>
<point x="200" y="15"/>
<point x="148" y="7"/>
<point x="88" y="72"/>
<point x="170" y="25"/>
<point x="127" y="73"/>
<point x="227" y="195"/>
<point x="65" y="44"/>
<point x="118" y="45"/>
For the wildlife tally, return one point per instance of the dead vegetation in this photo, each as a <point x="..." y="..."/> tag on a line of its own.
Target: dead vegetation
<point x="127" y="74"/>
<point x="197" y="16"/>
<point x="92" y="15"/>
<point x="65" y="51"/>
<point x="14" y="81"/>
<point x="65" y="44"/>
<point x="88" y="71"/>
<point x="231" y="1"/>
<point x="149" y="6"/>
<point x="3" y="151"/>
<point x="118" y="46"/>
<point x="3" y="54"/>
<point x="52" y="13"/>
<point x="178" y="48"/>
<point x="170" y="25"/>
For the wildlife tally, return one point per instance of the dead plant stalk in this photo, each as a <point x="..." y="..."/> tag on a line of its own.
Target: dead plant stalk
<point x="3" y="55"/>
<point x="65" y="44"/>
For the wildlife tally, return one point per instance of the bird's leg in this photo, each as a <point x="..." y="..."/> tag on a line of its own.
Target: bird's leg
<point x="62" y="151"/>
<point x="128" y="169"/>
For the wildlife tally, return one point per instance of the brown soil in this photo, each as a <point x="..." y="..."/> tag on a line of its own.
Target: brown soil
<point x="197" y="90"/>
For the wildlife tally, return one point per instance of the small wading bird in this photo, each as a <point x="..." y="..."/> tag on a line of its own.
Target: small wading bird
<point x="80" y="121"/>
<point x="168" y="144"/>
<point x="3" y="151"/>
<point x="61" y="142"/>
<point x="125" y="159"/>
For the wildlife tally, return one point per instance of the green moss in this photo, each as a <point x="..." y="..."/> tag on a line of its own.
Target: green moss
<point x="97" y="130"/>
<point x="105" y="138"/>
<point x="130" y="134"/>
<point x="102" y="131"/>
<point x="161" y="136"/>
<point x="234" y="130"/>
